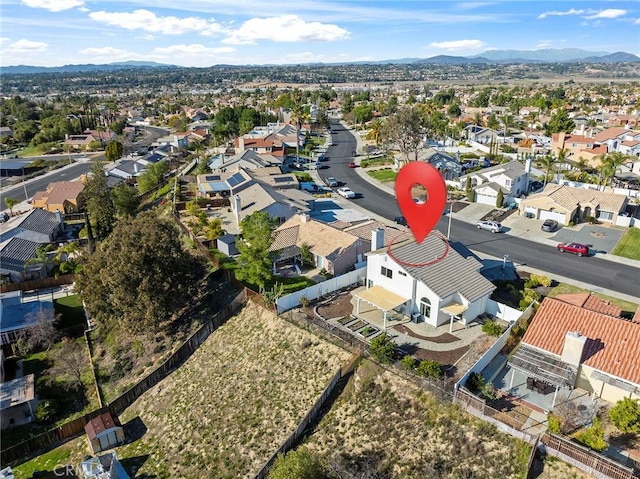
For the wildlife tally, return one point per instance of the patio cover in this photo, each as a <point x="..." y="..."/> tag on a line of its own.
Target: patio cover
<point x="17" y="391"/>
<point x="454" y="309"/>
<point x="543" y="366"/>
<point x="381" y="298"/>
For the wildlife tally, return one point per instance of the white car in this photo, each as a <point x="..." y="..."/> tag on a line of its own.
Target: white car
<point x="346" y="192"/>
<point x="492" y="226"/>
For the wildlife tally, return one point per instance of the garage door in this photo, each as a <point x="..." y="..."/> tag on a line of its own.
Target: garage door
<point x="485" y="199"/>
<point x="552" y="215"/>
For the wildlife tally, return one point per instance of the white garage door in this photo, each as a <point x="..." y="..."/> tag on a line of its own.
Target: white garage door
<point x="485" y="199"/>
<point x="552" y="215"/>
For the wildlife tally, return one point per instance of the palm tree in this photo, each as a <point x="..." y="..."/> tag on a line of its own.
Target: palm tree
<point x="548" y="162"/>
<point x="42" y="259"/>
<point x="11" y="202"/>
<point x="213" y="229"/>
<point x="297" y="117"/>
<point x="610" y="166"/>
<point x="375" y="131"/>
<point x="477" y="119"/>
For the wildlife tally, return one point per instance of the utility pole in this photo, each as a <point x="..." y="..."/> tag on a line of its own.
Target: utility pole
<point x="26" y="195"/>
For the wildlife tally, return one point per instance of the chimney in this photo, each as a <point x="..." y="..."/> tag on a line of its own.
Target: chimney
<point x="237" y="202"/>
<point x="304" y="218"/>
<point x="573" y="348"/>
<point x="241" y="143"/>
<point x="377" y="239"/>
<point x="60" y="218"/>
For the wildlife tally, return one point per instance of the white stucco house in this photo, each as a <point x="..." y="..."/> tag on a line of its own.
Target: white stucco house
<point x="512" y="178"/>
<point x="405" y="278"/>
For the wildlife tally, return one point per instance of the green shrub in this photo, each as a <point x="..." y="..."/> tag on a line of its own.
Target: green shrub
<point x="492" y="328"/>
<point x="554" y="425"/>
<point x="382" y="348"/>
<point x="409" y="363"/>
<point x="304" y="301"/>
<point x="46" y="411"/>
<point x="541" y="280"/>
<point x="593" y="437"/>
<point x="475" y="382"/>
<point x="430" y="369"/>
<point x="625" y="415"/>
<point x="489" y="391"/>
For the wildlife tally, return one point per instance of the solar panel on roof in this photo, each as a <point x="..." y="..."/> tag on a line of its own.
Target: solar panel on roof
<point x="212" y="178"/>
<point x="235" y="179"/>
<point x="281" y="179"/>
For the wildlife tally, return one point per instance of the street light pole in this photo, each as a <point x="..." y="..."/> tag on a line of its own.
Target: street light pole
<point x="504" y="261"/>
<point x="26" y="196"/>
<point x="450" y="214"/>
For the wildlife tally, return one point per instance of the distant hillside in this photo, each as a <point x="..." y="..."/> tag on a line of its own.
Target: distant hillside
<point x="90" y="67"/>
<point x="617" y="57"/>
<point x="549" y="55"/>
<point x="452" y="60"/>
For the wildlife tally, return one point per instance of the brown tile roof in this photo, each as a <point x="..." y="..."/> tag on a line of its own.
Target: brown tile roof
<point x="574" y="139"/>
<point x="323" y="239"/>
<point x="60" y="191"/>
<point x="99" y="424"/>
<point x="568" y="197"/>
<point x="631" y="142"/>
<point x="612" y="345"/>
<point x="591" y="302"/>
<point x="610" y="134"/>
<point x="363" y="230"/>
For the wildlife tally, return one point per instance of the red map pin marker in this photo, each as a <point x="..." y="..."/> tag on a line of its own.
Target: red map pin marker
<point x="421" y="217"/>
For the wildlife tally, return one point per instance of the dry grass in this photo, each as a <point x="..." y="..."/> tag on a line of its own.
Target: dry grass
<point x="228" y="408"/>
<point x="410" y="434"/>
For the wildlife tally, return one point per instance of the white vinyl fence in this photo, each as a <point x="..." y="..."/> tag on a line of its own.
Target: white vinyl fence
<point x="292" y="300"/>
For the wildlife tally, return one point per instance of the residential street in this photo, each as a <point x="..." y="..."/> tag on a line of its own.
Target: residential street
<point x="532" y="252"/>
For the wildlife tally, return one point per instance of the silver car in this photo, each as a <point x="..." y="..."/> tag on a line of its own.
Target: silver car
<point x="492" y="226"/>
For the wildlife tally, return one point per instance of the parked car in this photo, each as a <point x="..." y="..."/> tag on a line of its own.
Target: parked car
<point x="346" y="192"/>
<point x="549" y="226"/>
<point x="352" y="164"/>
<point x="575" y="248"/>
<point x="492" y="226"/>
<point x="332" y="182"/>
<point x="400" y="220"/>
<point x="4" y="217"/>
<point x="536" y="186"/>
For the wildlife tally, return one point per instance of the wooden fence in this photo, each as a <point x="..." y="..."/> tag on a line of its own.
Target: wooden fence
<point x="311" y="415"/>
<point x="71" y="429"/>
<point x="38" y="283"/>
<point x="585" y="459"/>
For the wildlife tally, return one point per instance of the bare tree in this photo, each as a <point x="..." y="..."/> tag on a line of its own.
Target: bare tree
<point x="72" y="362"/>
<point x="43" y="333"/>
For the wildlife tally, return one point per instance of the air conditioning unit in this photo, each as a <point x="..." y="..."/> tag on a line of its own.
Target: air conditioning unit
<point x="415" y="317"/>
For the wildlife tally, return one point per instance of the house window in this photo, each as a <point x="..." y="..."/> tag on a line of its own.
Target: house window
<point x="605" y="215"/>
<point x="507" y="183"/>
<point x="386" y="272"/>
<point x="402" y="273"/>
<point x="425" y="307"/>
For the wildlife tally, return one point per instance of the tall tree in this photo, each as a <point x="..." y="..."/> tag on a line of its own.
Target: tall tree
<point x="125" y="199"/>
<point x="375" y="131"/>
<point x="298" y="116"/>
<point x="254" y="262"/>
<point x="404" y="129"/>
<point x="560" y="121"/>
<point x="113" y="151"/>
<point x="102" y="212"/>
<point x="11" y="202"/>
<point x="139" y="277"/>
<point x="548" y="162"/>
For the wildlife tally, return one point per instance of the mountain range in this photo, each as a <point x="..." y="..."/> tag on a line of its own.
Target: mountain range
<point x="565" y="55"/>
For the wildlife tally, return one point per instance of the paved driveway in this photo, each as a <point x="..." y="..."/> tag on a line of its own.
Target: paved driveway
<point x="602" y="238"/>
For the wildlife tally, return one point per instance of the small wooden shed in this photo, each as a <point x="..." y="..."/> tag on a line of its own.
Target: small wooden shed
<point x="104" y="432"/>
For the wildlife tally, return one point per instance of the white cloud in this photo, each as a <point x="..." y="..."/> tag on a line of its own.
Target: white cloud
<point x="53" y="5"/>
<point x="572" y="11"/>
<point x="107" y="52"/>
<point x="286" y="28"/>
<point x="608" y="13"/>
<point x="144" y="20"/>
<point x="195" y="49"/>
<point x="27" y="46"/>
<point x="637" y="21"/>
<point x="544" y="44"/>
<point x="4" y="40"/>
<point x="457" y="45"/>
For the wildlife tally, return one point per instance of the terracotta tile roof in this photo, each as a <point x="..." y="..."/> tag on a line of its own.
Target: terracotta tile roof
<point x="60" y="191"/>
<point x="574" y="139"/>
<point x="591" y="302"/>
<point x="612" y="345"/>
<point x="363" y="230"/>
<point x="636" y="317"/>
<point x="610" y="134"/>
<point x="631" y="142"/>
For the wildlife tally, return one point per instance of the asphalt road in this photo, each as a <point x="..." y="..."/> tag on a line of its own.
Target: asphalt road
<point x="40" y="183"/>
<point x="591" y="270"/>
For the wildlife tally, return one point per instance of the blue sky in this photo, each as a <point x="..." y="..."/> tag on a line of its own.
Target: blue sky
<point x="202" y="33"/>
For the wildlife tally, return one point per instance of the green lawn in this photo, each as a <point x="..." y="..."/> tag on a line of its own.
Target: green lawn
<point x="564" y="288"/>
<point x="384" y="175"/>
<point x="46" y="464"/>
<point x="71" y="312"/>
<point x="629" y="244"/>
